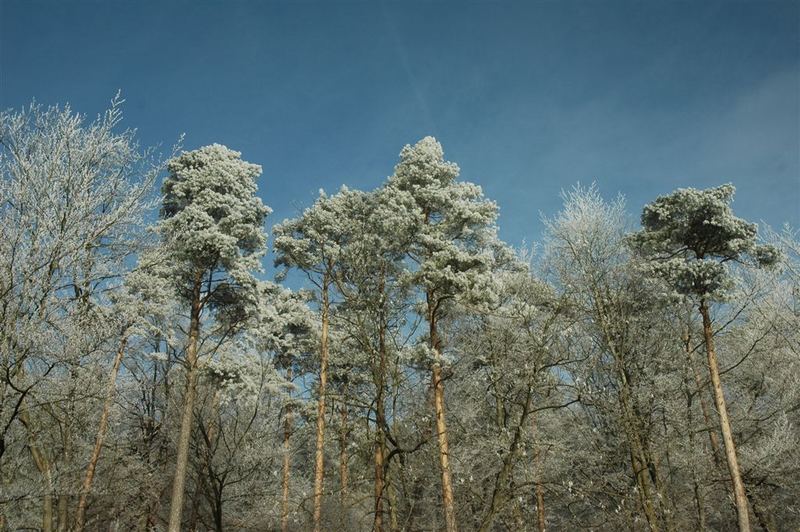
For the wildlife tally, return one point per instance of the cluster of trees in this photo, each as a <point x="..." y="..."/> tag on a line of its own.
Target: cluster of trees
<point x="428" y="376"/>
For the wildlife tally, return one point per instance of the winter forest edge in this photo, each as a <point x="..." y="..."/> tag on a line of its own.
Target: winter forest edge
<point x="639" y="369"/>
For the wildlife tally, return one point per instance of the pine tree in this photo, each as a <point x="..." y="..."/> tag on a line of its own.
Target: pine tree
<point x="691" y="235"/>
<point x="375" y="305"/>
<point x="452" y="257"/>
<point x="312" y="243"/>
<point x="213" y="230"/>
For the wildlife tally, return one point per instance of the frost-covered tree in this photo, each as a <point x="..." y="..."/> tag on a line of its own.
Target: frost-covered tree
<point x="141" y="299"/>
<point x="236" y="451"/>
<point x="691" y="235"/>
<point x="312" y="244"/>
<point x="213" y="231"/>
<point x="452" y="254"/>
<point x="73" y="194"/>
<point x="373" y="317"/>
<point x="512" y="352"/>
<point x="286" y="328"/>
<point x="581" y="383"/>
<point x="587" y="259"/>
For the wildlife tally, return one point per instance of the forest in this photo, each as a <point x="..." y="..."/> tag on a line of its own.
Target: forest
<point x="398" y="368"/>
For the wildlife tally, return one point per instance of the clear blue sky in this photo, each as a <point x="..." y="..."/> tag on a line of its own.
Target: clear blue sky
<point x="528" y="98"/>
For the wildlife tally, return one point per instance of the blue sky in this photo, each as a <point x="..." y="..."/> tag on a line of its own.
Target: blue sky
<point x="527" y="97"/>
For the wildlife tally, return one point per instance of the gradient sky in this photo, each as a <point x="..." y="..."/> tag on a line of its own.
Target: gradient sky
<point x="528" y="98"/>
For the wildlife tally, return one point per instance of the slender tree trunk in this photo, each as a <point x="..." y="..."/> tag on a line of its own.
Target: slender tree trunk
<point x="66" y="460"/>
<point x="441" y="427"/>
<point x="641" y="461"/>
<point x="43" y="465"/>
<point x="319" y="462"/>
<point x="540" y="515"/>
<point x="184" y="439"/>
<point x="698" y="494"/>
<point x="697" y="490"/>
<point x="444" y="450"/>
<point x="287" y="434"/>
<point x="500" y="493"/>
<point x="710" y="426"/>
<point x="63" y="515"/>
<point x="102" y="429"/>
<point x="699" y="504"/>
<point x="727" y="434"/>
<point x="377" y="525"/>
<point x="47" y="501"/>
<point x="218" y="512"/>
<point x="380" y="417"/>
<point x="40" y="459"/>
<point x="539" y="487"/>
<point x="716" y="448"/>
<point x="665" y="503"/>
<point x="639" y="465"/>
<point x="343" y="459"/>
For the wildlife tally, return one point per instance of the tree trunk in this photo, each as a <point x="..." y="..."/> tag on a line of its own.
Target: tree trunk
<point x="639" y="462"/>
<point x="43" y="465"/>
<point x="47" y="499"/>
<point x="319" y="463"/>
<point x="540" y="516"/>
<point x="184" y="439"/>
<point x="500" y="493"/>
<point x="697" y="491"/>
<point x="641" y="472"/>
<point x="102" y="429"/>
<point x="377" y="525"/>
<point x="343" y="459"/>
<point x="740" y="496"/>
<point x="539" y="487"/>
<point x="710" y="426"/>
<point x="380" y="418"/>
<point x="66" y="460"/>
<point x="441" y="427"/>
<point x="444" y="448"/>
<point x="287" y="434"/>
<point x="63" y="516"/>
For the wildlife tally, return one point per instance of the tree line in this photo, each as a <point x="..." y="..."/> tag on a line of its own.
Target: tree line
<point x="428" y="376"/>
